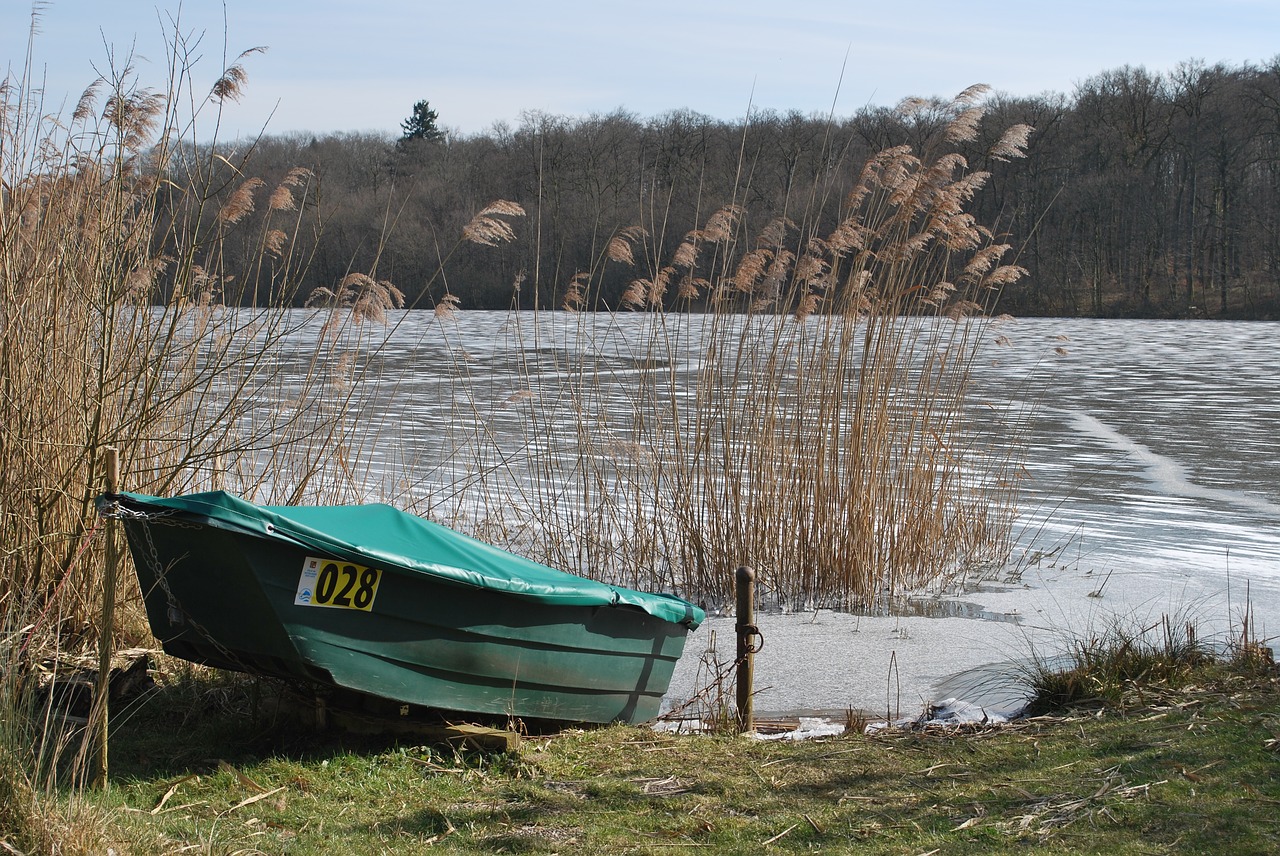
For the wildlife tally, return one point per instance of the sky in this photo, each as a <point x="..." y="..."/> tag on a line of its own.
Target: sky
<point x="339" y="65"/>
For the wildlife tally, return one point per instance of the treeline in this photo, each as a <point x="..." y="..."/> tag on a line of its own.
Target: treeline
<point x="1141" y="194"/>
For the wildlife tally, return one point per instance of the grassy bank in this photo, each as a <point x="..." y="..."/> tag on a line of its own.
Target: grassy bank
<point x="1190" y="766"/>
<point x="825" y="437"/>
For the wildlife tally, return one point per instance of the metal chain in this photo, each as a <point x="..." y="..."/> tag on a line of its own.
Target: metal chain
<point x="749" y="631"/>
<point x="176" y="614"/>
<point x="157" y="568"/>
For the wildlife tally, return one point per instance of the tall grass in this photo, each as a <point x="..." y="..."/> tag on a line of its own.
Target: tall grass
<point x="115" y="333"/>
<point x="118" y="328"/>
<point x="1128" y="659"/>
<point x="791" y="395"/>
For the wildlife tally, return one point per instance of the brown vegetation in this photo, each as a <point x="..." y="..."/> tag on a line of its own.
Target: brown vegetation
<point x="1142" y="194"/>
<point x="824" y="437"/>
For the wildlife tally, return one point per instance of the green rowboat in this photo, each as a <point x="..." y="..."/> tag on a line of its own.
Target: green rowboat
<point x="372" y="600"/>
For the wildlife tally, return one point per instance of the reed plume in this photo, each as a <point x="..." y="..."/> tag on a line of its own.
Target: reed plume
<point x="447" y="306"/>
<point x="692" y="287"/>
<point x="230" y="86"/>
<point x="686" y="255"/>
<point x="134" y="116"/>
<point x="824" y="436"/>
<point x="620" y="245"/>
<point x="240" y="205"/>
<point x="275" y="242"/>
<point x="366" y="298"/>
<point x="486" y="228"/>
<point x="575" y="295"/>
<point x="88" y="101"/>
<point x="636" y="294"/>
<point x="720" y="226"/>
<point x="281" y="199"/>
<point x="964" y="127"/>
<point x="1012" y="143"/>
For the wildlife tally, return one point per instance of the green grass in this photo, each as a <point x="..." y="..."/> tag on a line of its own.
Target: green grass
<point x="1124" y="658"/>
<point x="1187" y="769"/>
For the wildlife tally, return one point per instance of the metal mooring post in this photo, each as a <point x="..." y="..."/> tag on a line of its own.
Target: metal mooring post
<point x="745" y="579"/>
<point x="106" y="628"/>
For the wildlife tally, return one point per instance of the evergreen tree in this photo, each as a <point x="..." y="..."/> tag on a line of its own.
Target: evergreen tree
<point x="421" y="125"/>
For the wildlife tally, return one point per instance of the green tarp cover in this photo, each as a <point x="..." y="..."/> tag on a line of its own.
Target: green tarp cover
<point x="385" y="537"/>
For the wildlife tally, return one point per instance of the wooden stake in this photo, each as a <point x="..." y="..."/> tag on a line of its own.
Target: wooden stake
<point x="745" y="580"/>
<point x="106" y="628"/>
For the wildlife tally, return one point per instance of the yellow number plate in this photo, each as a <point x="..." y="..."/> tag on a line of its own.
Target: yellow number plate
<point x="328" y="582"/>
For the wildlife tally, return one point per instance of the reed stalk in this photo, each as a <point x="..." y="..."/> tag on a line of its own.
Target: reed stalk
<point x="791" y="395"/>
<point x="122" y="325"/>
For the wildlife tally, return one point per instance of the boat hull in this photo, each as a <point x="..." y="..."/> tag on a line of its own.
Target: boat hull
<point x="232" y="600"/>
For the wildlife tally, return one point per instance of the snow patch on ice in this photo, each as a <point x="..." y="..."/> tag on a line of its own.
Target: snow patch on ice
<point x="949" y="712"/>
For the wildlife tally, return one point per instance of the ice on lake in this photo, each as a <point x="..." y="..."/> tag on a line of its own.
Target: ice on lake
<point x="1154" y="490"/>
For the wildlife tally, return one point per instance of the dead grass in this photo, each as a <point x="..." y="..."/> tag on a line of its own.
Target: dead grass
<point x="124" y="327"/>
<point x="824" y="434"/>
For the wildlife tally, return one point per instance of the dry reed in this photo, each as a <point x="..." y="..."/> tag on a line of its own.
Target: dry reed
<point x="820" y="432"/>
<point x="825" y="438"/>
<point x="121" y="326"/>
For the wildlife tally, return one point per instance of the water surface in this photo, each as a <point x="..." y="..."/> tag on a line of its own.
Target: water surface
<point x="1152" y="480"/>
<point x="1152" y="489"/>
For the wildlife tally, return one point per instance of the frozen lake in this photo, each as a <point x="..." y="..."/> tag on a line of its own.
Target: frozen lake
<point x="1152" y="487"/>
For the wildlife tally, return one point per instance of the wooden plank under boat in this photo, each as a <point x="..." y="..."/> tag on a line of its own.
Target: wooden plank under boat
<point x="374" y="600"/>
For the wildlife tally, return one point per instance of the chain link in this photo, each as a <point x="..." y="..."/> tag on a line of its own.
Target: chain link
<point x="176" y="614"/>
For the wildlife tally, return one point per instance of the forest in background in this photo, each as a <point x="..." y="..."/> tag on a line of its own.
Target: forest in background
<point x="1142" y="194"/>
